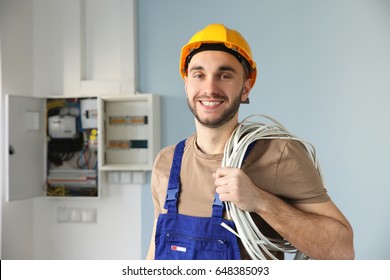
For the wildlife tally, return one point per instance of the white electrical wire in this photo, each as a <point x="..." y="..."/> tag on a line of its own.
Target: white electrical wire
<point x="256" y="244"/>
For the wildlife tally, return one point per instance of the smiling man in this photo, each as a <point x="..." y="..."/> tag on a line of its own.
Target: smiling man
<point x="277" y="184"/>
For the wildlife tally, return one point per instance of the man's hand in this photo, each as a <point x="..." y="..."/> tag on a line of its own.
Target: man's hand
<point x="235" y="186"/>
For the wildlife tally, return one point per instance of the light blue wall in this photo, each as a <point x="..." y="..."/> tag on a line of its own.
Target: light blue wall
<point x="324" y="72"/>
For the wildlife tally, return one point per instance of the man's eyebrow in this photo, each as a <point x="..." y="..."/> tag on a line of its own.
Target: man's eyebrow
<point x="220" y="69"/>
<point x="196" y="68"/>
<point x="227" y="68"/>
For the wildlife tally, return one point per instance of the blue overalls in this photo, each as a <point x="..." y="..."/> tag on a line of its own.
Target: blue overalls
<point x="183" y="237"/>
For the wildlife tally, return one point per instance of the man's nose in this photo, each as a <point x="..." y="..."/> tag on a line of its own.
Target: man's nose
<point x="210" y="86"/>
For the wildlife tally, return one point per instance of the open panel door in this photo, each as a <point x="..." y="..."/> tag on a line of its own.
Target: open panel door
<point x="25" y="139"/>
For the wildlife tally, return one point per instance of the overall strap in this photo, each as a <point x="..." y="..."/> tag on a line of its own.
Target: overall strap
<point x="248" y="150"/>
<point x="174" y="179"/>
<point x="218" y="206"/>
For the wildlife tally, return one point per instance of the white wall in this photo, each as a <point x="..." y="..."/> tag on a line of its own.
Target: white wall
<point x="16" y="76"/>
<point x="115" y="235"/>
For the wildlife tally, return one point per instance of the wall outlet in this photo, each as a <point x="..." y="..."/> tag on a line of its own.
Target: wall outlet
<point x="63" y="215"/>
<point x="88" y="215"/>
<point x="76" y="215"/>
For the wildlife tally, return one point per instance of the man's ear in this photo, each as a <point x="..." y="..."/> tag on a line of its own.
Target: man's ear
<point x="245" y="91"/>
<point x="185" y="83"/>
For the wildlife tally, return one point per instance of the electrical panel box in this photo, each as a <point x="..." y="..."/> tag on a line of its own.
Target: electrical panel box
<point x="130" y="132"/>
<point x="59" y="146"/>
<point x="49" y="148"/>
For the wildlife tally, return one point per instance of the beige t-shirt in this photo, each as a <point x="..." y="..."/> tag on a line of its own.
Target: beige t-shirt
<point x="280" y="167"/>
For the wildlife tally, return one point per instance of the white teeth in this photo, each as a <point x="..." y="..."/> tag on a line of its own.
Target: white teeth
<point x="207" y="103"/>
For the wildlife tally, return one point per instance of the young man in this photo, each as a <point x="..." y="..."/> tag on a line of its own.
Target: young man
<point x="277" y="183"/>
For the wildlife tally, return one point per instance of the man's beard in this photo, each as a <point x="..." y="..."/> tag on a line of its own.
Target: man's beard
<point x="224" y="118"/>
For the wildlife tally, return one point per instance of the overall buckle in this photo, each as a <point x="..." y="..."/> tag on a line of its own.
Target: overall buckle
<point x="172" y="194"/>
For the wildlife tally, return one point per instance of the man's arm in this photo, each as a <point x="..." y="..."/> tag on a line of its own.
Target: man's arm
<point x="320" y="231"/>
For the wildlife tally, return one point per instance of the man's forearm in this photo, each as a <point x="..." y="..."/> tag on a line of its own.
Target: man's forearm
<point x="317" y="236"/>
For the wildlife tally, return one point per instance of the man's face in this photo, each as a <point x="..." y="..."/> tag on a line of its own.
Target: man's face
<point x="215" y="86"/>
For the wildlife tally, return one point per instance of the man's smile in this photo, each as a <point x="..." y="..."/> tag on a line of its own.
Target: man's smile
<point x="210" y="103"/>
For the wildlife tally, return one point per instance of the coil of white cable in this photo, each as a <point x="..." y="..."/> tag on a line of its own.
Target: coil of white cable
<point x="257" y="245"/>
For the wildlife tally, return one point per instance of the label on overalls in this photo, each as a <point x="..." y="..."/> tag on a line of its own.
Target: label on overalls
<point x="178" y="248"/>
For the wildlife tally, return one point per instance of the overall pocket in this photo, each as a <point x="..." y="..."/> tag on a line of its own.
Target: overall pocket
<point x="186" y="247"/>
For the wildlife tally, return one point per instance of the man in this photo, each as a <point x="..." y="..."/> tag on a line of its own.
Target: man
<point x="277" y="183"/>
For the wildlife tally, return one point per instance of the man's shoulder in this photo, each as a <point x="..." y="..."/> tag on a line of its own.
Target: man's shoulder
<point x="165" y="155"/>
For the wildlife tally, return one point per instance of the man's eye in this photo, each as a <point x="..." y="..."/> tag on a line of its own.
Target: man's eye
<point x="226" y="76"/>
<point x="197" y="75"/>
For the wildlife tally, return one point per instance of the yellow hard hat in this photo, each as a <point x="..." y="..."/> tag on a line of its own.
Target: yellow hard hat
<point x="218" y="34"/>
